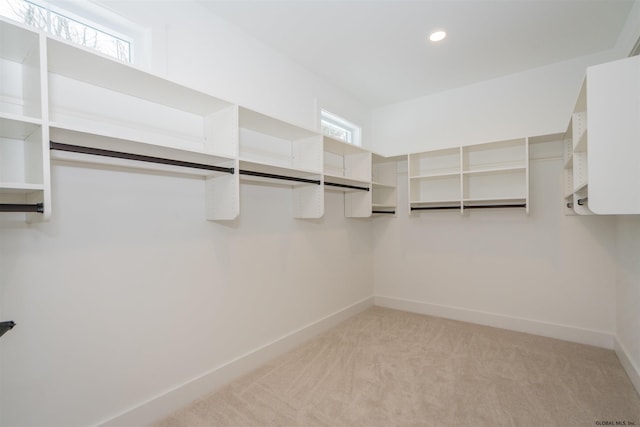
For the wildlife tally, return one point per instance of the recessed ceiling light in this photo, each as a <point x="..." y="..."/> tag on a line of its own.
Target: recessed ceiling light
<point x="436" y="36"/>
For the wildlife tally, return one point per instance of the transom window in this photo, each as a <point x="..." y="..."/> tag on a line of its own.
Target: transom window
<point x="336" y="127"/>
<point x="66" y="25"/>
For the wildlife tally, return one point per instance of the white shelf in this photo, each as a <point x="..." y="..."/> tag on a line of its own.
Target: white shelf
<point x="337" y="179"/>
<point x="435" y="163"/>
<point x="263" y="168"/>
<point x="495" y="155"/>
<point x="267" y="125"/>
<point x="384" y="178"/>
<point x="133" y="104"/>
<point x="496" y="170"/>
<point x="20" y="68"/>
<point x="437" y="175"/>
<point x="91" y="67"/>
<point x="346" y="160"/>
<point x="19" y="188"/>
<point x="381" y="185"/>
<point x="495" y="200"/>
<point x="102" y="142"/>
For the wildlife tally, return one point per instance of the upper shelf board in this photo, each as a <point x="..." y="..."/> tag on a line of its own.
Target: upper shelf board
<point x="91" y="67"/>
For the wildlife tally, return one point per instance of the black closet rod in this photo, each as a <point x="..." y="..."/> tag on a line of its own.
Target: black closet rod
<point x="353" y="187"/>
<point x="276" y="176"/>
<point x="138" y="157"/>
<point x="515" y="205"/>
<point x="423" y="208"/>
<point x="428" y="208"/>
<point x="383" y="212"/>
<point x="16" y="207"/>
<point x="6" y="326"/>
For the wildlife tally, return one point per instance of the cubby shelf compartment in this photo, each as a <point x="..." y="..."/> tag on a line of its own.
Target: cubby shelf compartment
<point x="97" y="94"/>
<point x="24" y="166"/>
<point x="384" y="179"/>
<point x="21" y="58"/>
<point x="347" y="168"/>
<point x="276" y="150"/>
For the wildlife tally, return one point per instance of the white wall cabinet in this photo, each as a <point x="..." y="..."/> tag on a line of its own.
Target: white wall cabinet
<point x="602" y="143"/>
<point x="24" y="135"/>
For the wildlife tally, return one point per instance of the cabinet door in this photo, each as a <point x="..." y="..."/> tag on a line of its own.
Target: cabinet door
<point x="613" y="104"/>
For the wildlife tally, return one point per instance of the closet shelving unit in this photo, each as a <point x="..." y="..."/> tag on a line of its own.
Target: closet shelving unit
<point x="576" y="176"/>
<point x="601" y="143"/>
<point x="490" y="175"/>
<point x="496" y="174"/>
<point x="347" y="168"/>
<point x="435" y="180"/>
<point x="24" y="154"/>
<point x="281" y="153"/>
<point x="384" y="174"/>
<point x="99" y="105"/>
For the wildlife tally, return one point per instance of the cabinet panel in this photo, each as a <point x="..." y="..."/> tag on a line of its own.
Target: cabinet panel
<point x="613" y="103"/>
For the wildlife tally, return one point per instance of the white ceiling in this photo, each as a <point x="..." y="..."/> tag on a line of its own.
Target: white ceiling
<point x="378" y="50"/>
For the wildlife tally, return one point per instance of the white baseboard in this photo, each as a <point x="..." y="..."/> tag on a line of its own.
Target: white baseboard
<point x="168" y="402"/>
<point x="627" y="363"/>
<point x="546" y="329"/>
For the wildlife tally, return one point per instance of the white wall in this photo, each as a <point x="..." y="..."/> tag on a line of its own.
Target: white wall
<point x="128" y="292"/>
<point x="545" y="273"/>
<point x="210" y="54"/>
<point x="534" y="102"/>
<point x="628" y="295"/>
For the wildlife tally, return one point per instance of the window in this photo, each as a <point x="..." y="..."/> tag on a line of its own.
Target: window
<point x="338" y="128"/>
<point x="66" y="25"/>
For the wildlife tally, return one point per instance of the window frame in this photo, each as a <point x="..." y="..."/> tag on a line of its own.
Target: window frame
<point x="332" y="120"/>
<point x="95" y="17"/>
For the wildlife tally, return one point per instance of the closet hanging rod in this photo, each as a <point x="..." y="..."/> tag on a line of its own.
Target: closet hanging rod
<point x="16" y="207"/>
<point x="353" y="187"/>
<point x="276" y="176"/>
<point x="138" y="157"/>
<point x="384" y="212"/>
<point x="6" y="326"/>
<point x="514" y="205"/>
<point x="582" y="201"/>
<point x="429" y="208"/>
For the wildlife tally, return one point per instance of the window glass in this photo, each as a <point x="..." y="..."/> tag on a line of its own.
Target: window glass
<point x="86" y="34"/>
<point x="338" y="128"/>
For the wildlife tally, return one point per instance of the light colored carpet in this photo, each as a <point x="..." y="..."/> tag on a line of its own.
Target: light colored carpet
<point x="390" y="368"/>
